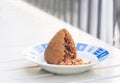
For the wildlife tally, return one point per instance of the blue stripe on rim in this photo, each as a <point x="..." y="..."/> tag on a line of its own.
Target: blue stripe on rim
<point x="101" y="53"/>
<point x="81" y="46"/>
<point x="44" y="45"/>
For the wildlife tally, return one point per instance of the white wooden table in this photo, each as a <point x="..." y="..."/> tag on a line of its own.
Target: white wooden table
<point x="22" y="25"/>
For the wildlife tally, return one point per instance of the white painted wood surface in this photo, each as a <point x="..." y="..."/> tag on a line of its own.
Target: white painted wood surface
<point x="22" y="25"/>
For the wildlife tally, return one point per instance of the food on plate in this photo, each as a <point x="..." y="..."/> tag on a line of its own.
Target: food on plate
<point x="76" y="61"/>
<point x="60" y="47"/>
<point x="61" y="50"/>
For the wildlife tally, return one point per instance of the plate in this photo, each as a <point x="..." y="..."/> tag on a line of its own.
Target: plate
<point x="86" y="52"/>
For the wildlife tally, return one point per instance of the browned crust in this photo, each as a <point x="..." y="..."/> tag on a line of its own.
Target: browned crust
<point x="54" y="52"/>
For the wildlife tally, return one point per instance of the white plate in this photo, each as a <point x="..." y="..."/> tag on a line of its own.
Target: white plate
<point x="84" y="51"/>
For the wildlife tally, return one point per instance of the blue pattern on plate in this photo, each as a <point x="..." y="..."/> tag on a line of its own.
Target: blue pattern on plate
<point x="44" y="45"/>
<point x="38" y="48"/>
<point x="101" y="53"/>
<point x="81" y="47"/>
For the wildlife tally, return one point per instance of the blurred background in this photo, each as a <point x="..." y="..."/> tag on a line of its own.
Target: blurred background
<point x="100" y="18"/>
